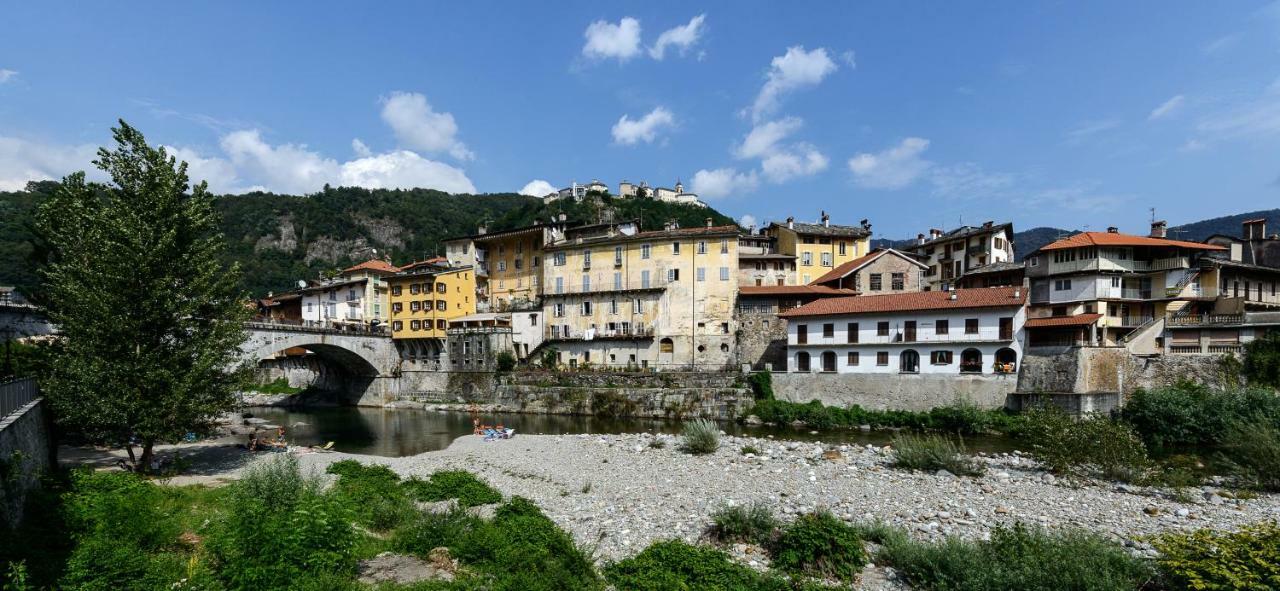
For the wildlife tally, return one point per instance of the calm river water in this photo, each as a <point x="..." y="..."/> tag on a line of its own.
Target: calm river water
<point x="405" y="432"/>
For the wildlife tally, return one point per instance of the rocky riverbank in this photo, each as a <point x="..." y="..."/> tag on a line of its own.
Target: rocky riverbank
<point x="619" y="493"/>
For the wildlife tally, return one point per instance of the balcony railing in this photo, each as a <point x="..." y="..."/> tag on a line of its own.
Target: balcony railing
<point x="1127" y="321"/>
<point x="1170" y="263"/>
<point x="605" y="287"/>
<point x="556" y="333"/>
<point x="1205" y="320"/>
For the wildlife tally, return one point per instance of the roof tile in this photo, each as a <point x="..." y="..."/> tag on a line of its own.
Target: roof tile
<point x="986" y="297"/>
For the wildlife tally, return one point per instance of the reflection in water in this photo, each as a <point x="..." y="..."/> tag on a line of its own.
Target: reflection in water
<point x="406" y="432"/>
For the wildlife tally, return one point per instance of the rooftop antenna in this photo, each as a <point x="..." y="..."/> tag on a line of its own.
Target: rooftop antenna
<point x="1153" y="215"/>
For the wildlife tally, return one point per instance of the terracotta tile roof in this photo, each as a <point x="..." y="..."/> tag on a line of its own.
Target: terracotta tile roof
<point x="431" y="262"/>
<point x="821" y="230"/>
<point x="771" y="290"/>
<point x="1077" y="320"/>
<point x="1118" y="239"/>
<point x="986" y="297"/>
<point x="373" y="265"/>
<point x="849" y="267"/>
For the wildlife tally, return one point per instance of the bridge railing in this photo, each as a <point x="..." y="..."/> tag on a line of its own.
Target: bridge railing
<point x="380" y="331"/>
<point x="17" y="394"/>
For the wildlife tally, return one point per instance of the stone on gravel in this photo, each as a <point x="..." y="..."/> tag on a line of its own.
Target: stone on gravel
<point x="401" y="569"/>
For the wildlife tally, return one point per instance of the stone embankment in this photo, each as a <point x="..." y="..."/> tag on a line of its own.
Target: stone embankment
<point x="619" y="493"/>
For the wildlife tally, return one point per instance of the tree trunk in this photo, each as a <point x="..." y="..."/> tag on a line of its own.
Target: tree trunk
<point x="144" y="462"/>
<point x="133" y="460"/>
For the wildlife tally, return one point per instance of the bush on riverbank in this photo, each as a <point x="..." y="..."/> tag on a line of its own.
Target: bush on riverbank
<point x="701" y="436"/>
<point x="1191" y="416"/>
<point x="819" y="545"/>
<point x="962" y="417"/>
<point x="931" y="453"/>
<point x="453" y="484"/>
<point x="1253" y="449"/>
<point x="752" y="523"/>
<point x="1091" y="445"/>
<point x="1205" y="559"/>
<point x="676" y="566"/>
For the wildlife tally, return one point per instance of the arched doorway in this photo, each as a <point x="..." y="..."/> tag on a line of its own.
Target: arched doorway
<point x="909" y="361"/>
<point x="828" y="361"/>
<point x="666" y="352"/>
<point x="1006" y="360"/>
<point x="971" y="361"/>
<point x="802" y="361"/>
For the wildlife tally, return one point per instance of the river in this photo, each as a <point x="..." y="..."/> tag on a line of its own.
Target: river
<point x="407" y="432"/>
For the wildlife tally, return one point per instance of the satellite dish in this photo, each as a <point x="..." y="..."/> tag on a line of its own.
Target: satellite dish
<point x="302" y="283"/>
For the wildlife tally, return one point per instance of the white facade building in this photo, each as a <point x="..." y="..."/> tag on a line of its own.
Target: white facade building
<point x="335" y="304"/>
<point x="965" y="331"/>
<point x="949" y="255"/>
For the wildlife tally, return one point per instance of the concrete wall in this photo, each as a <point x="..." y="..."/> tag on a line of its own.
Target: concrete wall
<point x="24" y="458"/>
<point x="894" y="391"/>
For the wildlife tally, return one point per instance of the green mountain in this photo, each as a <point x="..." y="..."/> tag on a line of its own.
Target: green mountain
<point x="280" y="239"/>
<point x="1230" y="225"/>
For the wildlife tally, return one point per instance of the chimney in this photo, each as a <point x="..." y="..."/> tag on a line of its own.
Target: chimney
<point x="482" y="229"/>
<point x="1255" y="229"/>
<point x="791" y="222"/>
<point x="826" y="220"/>
<point x="934" y="233"/>
<point x="987" y="224"/>
<point x="1158" y="229"/>
<point x="1017" y="294"/>
<point x="1113" y="230"/>
<point x="708" y="222"/>
<point x="866" y="225"/>
<point x="919" y="238"/>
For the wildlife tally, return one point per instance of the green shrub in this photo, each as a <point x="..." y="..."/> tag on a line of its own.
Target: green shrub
<point x="1262" y="360"/>
<point x="101" y="564"/>
<point x="119" y="507"/>
<point x="1089" y="445"/>
<point x="761" y="385"/>
<point x="1248" y="559"/>
<point x="750" y="523"/>
<point x="749" y="449"/>
<point x="280" y="525"/>
<point x="1190" y="415"/>
<point x="453" y="484"/>
<point x="428" y="531"/>
<point x="276" y="386"/>
<point x="506" y="361"/>
<point x="1016" y="558"/>
<point x="701" y="436"/>
<point x="676" y="566"/>
<point x="931" y="453"/>
<point x="1253" y="448"/>
<point x="961" y="417"/>
<point x="819" y="545"/>
<point x="524" y="551"/>
<point x="372" y="493"/>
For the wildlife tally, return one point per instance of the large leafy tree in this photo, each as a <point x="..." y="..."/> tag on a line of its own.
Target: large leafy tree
<point x="152" y="319"/>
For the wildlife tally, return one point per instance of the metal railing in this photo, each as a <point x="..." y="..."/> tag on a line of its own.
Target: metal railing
<point x="294" y="326"/>
<point x="1204" y="319"/>
<point x="16" y="394"/>
<point x="635" y="331"/>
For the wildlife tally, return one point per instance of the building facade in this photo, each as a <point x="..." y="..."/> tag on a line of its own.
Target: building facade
<point x="821" y="247"/>
<point x="947" y="256"/>
<point x="508" y="264"/>
<point x="882" y="271"/>
<point x="968" y="331"/>
<point x="423" y="301"/>
<point x="760" y="263"/>
<point x="616" y="296"/>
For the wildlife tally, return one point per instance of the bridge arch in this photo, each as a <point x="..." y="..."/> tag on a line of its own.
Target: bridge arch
<point x="363" y="355"/>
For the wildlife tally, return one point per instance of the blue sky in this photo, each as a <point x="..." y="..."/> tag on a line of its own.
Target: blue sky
<point x="913" y="115"/>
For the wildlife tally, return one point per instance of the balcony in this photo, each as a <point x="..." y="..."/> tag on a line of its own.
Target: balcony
<point x="1169" y="263"/>
<point x="628" y="333"/>
<point x="1131" y="321"/>
<point x="1205" y="320"/>
<point x="627" y="286"/>
<point x="1125" y="293"/>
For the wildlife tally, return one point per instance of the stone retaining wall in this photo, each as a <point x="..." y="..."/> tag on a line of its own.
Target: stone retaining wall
<point x="24" y="458"/>
<point x="916" y="392"/>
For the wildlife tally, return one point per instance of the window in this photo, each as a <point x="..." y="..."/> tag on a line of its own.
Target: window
<point x="586" y="308"/>
<point x="909" y="330"/>
<point x="806" y="259"/>
<point x="519" y="263"/>
<point x="828" y="361"/>
<point x="440" y="324"/>
<point x="397" y="308"/>
<point x="940" y="357"/>
<point x="942" y="327"/>
<point x="702" y="247"/>
<point x="613" y="306"/>
<point x="970" y="326"/>
<point x="1115" y="282"/>
<point x="851" y="332"/>
<point x="828" y="330"/>
<point x="724" y="246"/>
<point x="645" y="251"/>
<point x="559" y="284"/>
<point x="617" y="280"/>
<point x="558" y="310"/>
<point x="586" y="283"/>
<point x="502" y="265"/>
<point x="442" y="305"/>
<point x="397" y="325"/>
<point x="415" y="325"/>
<point x="971" y="361"/>
<point x="586" y="259"/>
<point x="802" y="334"/>
<point x="673" y="275"/>
<point x="852" y="358"/>
<point x="666" y="345"/>
<point x="395" y="290"/>
<point x="882" y="328"/>
<point x="440" y="288"/>
<point x="415" y="288"/>
<point x="875" y="282"/>
<point x="558" y="259"/>
<point x="842" y="247"/>
<point x="533" y="320"/>
<point x="644" y="279"/>
<point x="675" y="248"/>
<point x="637" y="307"/>
<point x="909" y="362"/>
<point x="617" y="256"/>
<point x="414" y="306"/>
<point x="1006" y="329"/>
<point x="802" y="361"/>
<point x="537" y="261"/>
<point x="882" y="358"/>
<point x="826" y="259"/>
<point x="1033" y="261"/>
<point x="724" y="328"/>
<point x="899" y="281"/>
<point x="702" y="273"/>
<point x="724" y="274"/>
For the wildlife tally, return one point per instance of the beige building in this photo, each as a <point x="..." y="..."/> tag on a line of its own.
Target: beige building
<point x="883" y="271"/>
<point x="508" y="264"/>
<point x="760" y="263"/>
<point x="617" y="296"/>
<point x="819" y="247"/>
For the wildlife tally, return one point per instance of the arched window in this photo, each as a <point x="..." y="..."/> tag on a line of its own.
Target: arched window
<point x="971" y="361"/>
<point x="666" y="346"/>
<point x="1006" y="361"/>
<point x="829" y="361"/>
<point x="909" y="361"/>
<point x="802" y="361"/>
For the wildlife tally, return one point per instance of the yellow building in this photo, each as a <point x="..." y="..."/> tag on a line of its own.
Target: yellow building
<point x="508" y="264"/>
<point x="424" y="298"/>
<point x="820" y="247"/>
<point x="616" y="296"/>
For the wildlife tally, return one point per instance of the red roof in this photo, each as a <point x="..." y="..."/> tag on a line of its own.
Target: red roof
<point x="985" y="297"/>
<point x="846" y="268"/>
<point x="1118" y="239"/>
<point x="431" y="262"/>
<point x="1077" y="320"/>
<point x="373" y="265"/>
<point x="771" y="290"/>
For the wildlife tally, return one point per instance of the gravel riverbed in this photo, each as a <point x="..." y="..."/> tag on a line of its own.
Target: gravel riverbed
<point x="619" y="493"/>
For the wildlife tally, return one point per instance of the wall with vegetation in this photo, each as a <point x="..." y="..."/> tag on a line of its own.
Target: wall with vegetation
<point x="24" y="458"/>
<point x="918" y="392"/>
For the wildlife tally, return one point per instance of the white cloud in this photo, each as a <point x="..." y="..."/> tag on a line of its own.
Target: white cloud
<point x="747" y="220"/>
<point x="798" y="160"/>
<point x="1166" y="108"/>
<point x="1259" y="118"/>
<point x="793" y="70"/>
<point x="218" y="172"/>
<point x="849" y="58"/>
<point x="682" y="37"/>
<point x="893" y="168"/>
<point x="763" y="138"/>
<point x="23" y="160"/>
<point x="607" y="40"/>
<point x="7" y="75"/>
<point x="538" y="188"/>
<point x="1090" y="129"/>
<point x="1192" y="145"/>
<point x="722" y="182"/>
<point x="360" y="148"/>
<point x="417" y="126"/>
<point x="404" y="169"/>
<point x="969" y="180"/>
<point x="645" y="129"/>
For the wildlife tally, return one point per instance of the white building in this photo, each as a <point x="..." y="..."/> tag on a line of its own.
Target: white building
<point x="336" y="304"/>
<point x="676" y="195"/>
<point x="964" y="331"/>
<point x="949" y="255"/>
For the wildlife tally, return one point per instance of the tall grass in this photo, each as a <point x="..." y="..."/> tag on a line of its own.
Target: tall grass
<point x="751" y="523"/>
<point x="1253" y="449"/>
<point x="931" y="453"/>
<point x="701" y="436"/>
<point x="819" y="545"/>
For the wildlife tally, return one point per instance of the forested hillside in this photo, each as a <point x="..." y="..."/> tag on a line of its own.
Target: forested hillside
<point x="279" y="239"/>
<point x="1229" y="225"/>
